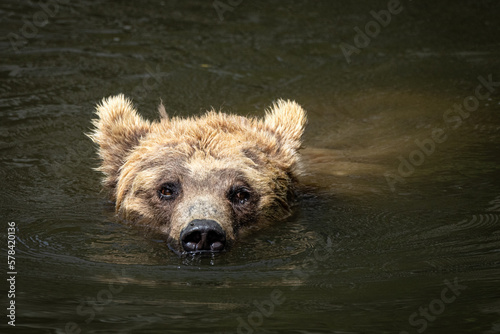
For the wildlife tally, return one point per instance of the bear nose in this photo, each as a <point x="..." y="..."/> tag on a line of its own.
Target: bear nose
<point x="203" y="235"/>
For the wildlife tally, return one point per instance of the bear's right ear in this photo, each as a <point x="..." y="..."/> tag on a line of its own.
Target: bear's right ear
<point x="118" y="129"/>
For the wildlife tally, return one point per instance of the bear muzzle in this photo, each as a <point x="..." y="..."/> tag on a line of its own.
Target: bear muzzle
<point x="203" y="235"/>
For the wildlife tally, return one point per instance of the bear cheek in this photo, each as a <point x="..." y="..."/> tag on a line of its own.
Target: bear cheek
<point x="135" y="209"/>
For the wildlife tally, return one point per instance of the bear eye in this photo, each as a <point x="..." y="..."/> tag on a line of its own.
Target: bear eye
<point x="167" y="191"/>
<point x="240" y="195"/>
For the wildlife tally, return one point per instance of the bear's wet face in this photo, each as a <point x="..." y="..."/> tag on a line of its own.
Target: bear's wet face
<point x="202" y="181"/>
<point x="198" y="210"/>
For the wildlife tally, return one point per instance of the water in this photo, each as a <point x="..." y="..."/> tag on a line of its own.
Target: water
<point x="370" y="248"/>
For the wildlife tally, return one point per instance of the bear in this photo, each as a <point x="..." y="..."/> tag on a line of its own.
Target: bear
<point x="201" y="182"/>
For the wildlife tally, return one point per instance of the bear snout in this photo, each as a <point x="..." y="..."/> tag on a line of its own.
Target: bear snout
<point x="203" y="235"/>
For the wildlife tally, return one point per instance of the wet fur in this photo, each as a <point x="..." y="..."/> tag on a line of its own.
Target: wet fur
<point x="205" y="157"/>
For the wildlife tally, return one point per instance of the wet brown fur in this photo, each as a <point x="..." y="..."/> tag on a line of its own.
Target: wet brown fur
<point x="205" y="157"/>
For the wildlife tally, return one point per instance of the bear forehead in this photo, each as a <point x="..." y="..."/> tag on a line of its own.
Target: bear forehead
<point x="186" y="161"/>
<point x="211" y="131"/>
<point x="198" y="156"/>
<point x="213" y="141"/>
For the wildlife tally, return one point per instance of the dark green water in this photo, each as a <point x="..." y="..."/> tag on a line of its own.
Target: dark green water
<point x="397" y="233"/>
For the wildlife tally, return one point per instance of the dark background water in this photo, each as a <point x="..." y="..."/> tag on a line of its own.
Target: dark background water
<point x="371" y="249"/>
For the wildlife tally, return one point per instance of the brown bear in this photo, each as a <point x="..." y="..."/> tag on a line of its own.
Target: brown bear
<point x="202" y="181"/>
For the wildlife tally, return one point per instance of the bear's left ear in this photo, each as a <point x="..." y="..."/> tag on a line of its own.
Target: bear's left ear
<point x="286" y="120"/>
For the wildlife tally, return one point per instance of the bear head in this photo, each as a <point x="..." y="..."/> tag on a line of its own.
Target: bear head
<point x="202" y="181"/>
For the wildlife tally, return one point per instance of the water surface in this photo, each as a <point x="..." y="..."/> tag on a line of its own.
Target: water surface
<point x="373" y="247"/>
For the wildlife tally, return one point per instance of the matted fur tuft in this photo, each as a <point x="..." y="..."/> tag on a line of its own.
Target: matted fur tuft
<point x="118" y="129"/>
<point x="288" y="120"/>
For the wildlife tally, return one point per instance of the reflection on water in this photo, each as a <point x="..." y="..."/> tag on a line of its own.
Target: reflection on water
<point x="392" y="211"/>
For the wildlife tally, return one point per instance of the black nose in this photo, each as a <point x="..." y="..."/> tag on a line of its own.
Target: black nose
<point x="203" y="235"/>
